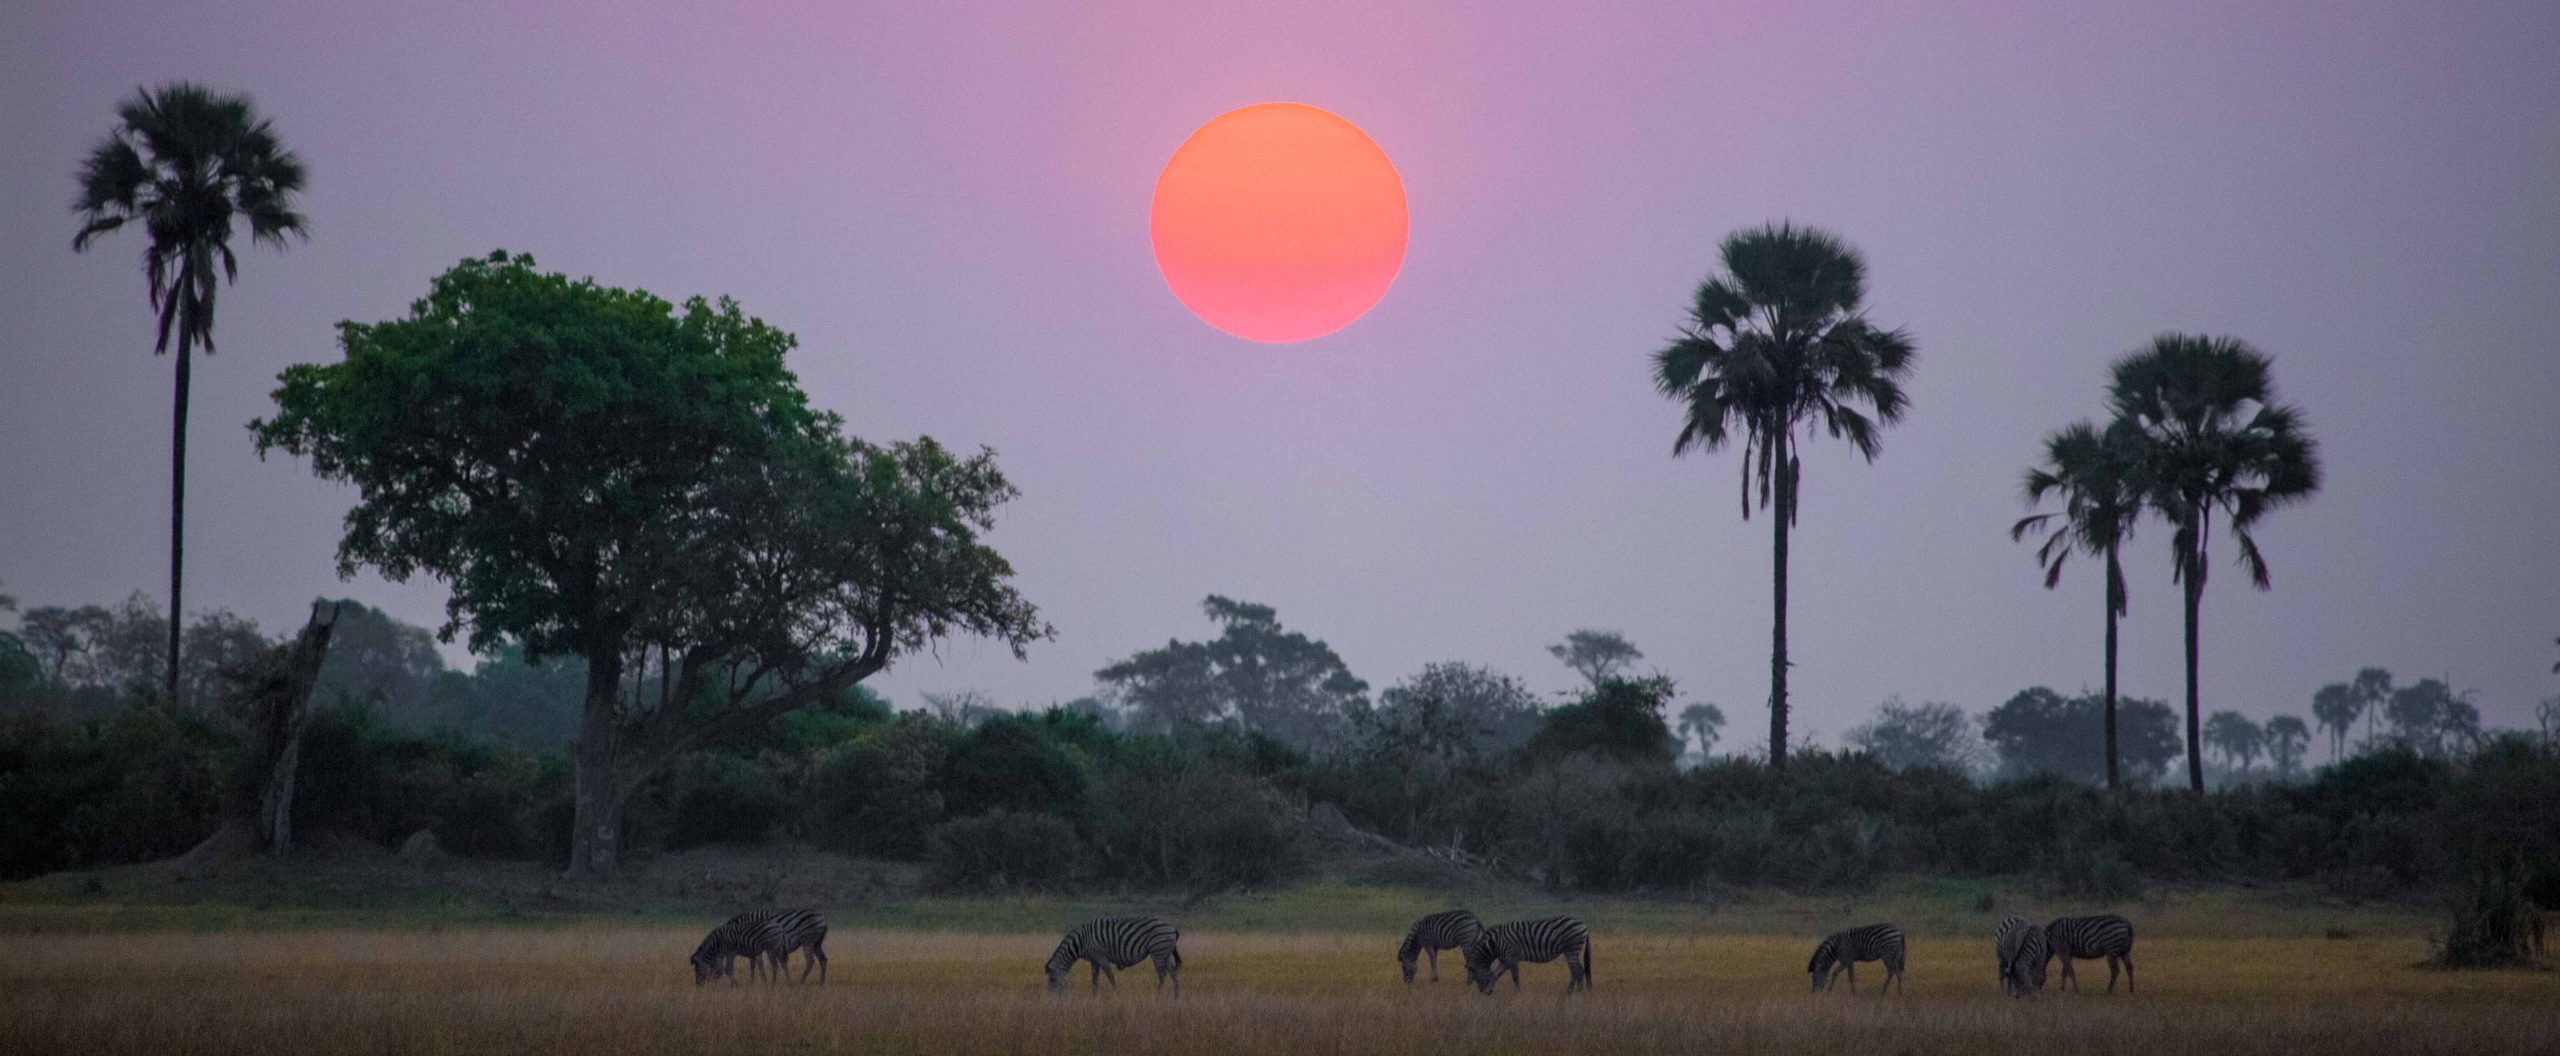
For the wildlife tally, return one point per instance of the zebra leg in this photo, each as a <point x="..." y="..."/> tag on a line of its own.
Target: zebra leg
<point x="818" y="950"/>
<point x="1434" y="954"/>
<point x="1111" y="973"/>
<point x="1853" y="976"/>
<point x="1097" y="978"/>
<point x="1573" y="972"/>
<point x="1515" y="975"/>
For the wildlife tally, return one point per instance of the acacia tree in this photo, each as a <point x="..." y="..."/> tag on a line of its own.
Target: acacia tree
<point x="189" y="165"/>
<point x="596" y="474"/>
<point x="1778" y="343"/>
<point x="2097" y="475"/>
<point x="1257" y="674"/>
<point x="2216" y="446"/>
<point x="1597" y="656"/>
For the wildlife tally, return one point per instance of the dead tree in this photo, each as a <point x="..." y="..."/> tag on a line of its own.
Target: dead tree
<point x="271" y="693"/>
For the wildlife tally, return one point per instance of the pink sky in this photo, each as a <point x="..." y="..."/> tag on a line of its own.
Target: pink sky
<point x="948" y="204"/>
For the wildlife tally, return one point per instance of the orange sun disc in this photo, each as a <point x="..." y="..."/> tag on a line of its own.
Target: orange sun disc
<point x="1278" y="223"/>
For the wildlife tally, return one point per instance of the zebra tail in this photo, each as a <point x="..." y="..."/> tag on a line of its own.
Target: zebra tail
<point x="1590" y="961"/>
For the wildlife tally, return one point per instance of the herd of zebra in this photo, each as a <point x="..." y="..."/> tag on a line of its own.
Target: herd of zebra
<point x="2020" y="950"/>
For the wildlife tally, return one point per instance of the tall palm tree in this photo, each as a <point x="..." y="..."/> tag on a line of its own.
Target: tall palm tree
<point x="2097" y="476"/>
<point x="1780" y="342"/>
<point x="2335" y="707"/>
<point x="187" y="164"/>
<point x="2216" y="446"/>
<point x="2373" y="689"/>
<point x="1702" y="723"/>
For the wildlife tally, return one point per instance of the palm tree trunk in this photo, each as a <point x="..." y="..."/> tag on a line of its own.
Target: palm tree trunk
<point x="2195" y="610"/>
<point x="2114" y="603"/>
<point x="178" y="494"/>
<point x="1778" y="609"/>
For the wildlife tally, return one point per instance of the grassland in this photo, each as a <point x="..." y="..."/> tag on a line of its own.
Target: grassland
<point x="1303" y="971"/>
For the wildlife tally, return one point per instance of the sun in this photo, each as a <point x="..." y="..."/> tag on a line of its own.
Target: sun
<point x="1279" y="223"/>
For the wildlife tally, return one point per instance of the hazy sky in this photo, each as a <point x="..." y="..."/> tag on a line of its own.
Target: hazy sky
<point x="948" y="204"/>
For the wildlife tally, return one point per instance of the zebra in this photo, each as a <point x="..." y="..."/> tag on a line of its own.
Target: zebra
<point x="1844" y="949"/>
<point x="1504" y="947"/>
<point x="2020" y="950"/>
<point x="1452" y="930"/>
<point x="718" y="954"/>
<point x="1118" y="942"/>
<point x="793" y="931"/>
<point x="2087" y="938"/>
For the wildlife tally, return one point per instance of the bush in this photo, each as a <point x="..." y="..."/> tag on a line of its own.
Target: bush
<point x="725" y="799"/>
<point x="1004" y="851"/>
<point x="1177" y="818"/>
<point x="876" y="796"/>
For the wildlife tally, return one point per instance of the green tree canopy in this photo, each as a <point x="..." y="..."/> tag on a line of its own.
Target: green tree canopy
<point x="1908" y="735"/>
<point x="2039" y="731"/>
<point x="1256" y="674"/>
<point x="594" y="472"/>
<point x="1596" y="655"/>
<point x="1618" y="719"/>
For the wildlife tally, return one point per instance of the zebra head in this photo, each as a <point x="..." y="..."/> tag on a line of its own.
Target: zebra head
<point x="1826" y="957"/>
<point x="2026" y="974"/>
<point x="1409" y="955"/>
<point x="1060" y="963"/>
<point x="1484" y="963"/>
<point x="707" y="967"/>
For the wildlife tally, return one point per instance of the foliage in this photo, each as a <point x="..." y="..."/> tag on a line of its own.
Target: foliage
<point x="1255" y="675"/>
<point x="148" y="782"/>
<point x="2286" y="737"/>
<point x="1597" y="656"/>
<point x="1704" y="723"/>
<point x="2039" y="731"/>
<point x="1004" y="851"/>
<point x="1908" y="735"/>
<point x="2238" y="739"/>
<point x="594" y="473"/>
<point x="1619" y="719"/>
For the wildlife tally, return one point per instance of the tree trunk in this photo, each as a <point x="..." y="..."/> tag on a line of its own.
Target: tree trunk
<point x="2195" y="747"/>
<point x="1778" y="609"/>
<point x="284" y="714"/>
<point x="178" y="494"/>
<point x="596" y="825"/>
<point x="2115" y="604"/>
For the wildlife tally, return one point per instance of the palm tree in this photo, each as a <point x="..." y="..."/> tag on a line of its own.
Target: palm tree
<point x="187" y="163"/>
<point x="2237" y="738"/>
<point x="2286" y="738"/>
<point x="2335" y="708"/>
<point x="1777" y="343"/>
<point x="1702" y="723"/>
<point x="2372" y="687"/>
<point x="2097" y="475"/>
<point x="2216" y="445"/>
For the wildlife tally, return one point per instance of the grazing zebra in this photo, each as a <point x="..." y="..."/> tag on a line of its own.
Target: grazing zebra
<point x="1452" y="930"/>
<point x="2019" y="948"/>
<point x="792" y="931"/>
<point x="718" y="954"/>
<point x="1117" y="943"/>
<point x="2088" y="938"/>
<point x="1844" y="949"/>
<point x="1504" y="947"/>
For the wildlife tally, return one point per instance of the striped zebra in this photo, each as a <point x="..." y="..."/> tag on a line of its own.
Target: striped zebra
<point x="2019" y="948"/>
<point x="1844" y="949"/>
<point x="1504" y="947"/>
<point x="767" y="940"/>
<point x="2088" y="938"/>
<point x="1115" y="943"/>
<point x="795" y="931"/>
<point x="1452" y="930"/>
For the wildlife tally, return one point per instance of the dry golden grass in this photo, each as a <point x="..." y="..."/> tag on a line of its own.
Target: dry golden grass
<point x="628" y="991"/>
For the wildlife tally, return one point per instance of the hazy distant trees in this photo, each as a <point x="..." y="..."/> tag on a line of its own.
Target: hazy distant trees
<point x="125" y="648"/>
<point x="2216" y="446"/>
<point x="1620" y="719"/>
<point x="595" y="473"/>
<point x="2096" y="475"/>
<point x="2039" y="731"/>
<point x="1779" y="343"/>
<point x="2431" y="719"/>
<point x="187" y="164"/>
<point x="1255" y="674"/>
<point x="2372" y="687"/>
<point x="2336" y="707"/>
<point x="2287" y="737"/>
<point x="1597" y="656"/>
<point x="2238" y="739"/>
<point x="1491" y="713"/>
<point x="1903" y="736"/>
<point x="1703" y="723"/>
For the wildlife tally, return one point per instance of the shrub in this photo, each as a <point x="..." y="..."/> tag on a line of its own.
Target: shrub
<point x="725" y="799"/>
<point x="1004" y="851"/>
<point x="876" y="796"/>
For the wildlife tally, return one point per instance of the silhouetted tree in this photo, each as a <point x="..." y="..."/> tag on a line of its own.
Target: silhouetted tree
<point x="187" y="163"/>
<point x="1908" y="735"/>
<point x="2238" y="739"/>
<point x="2216" y="446"/>
<point x="594" y="473"/>
<point x="1703" y="723"/>
<point x="2039" y="731"/>
<point x="1270" y="680"/>
<point x="2335" y="707"/>
<point x="1618" y="719"/>
<point x="1597" y="656"/>
<point x="2097" y="476"/>
<point x="2286" y="738"/>
<point x="1779" y="342"/>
